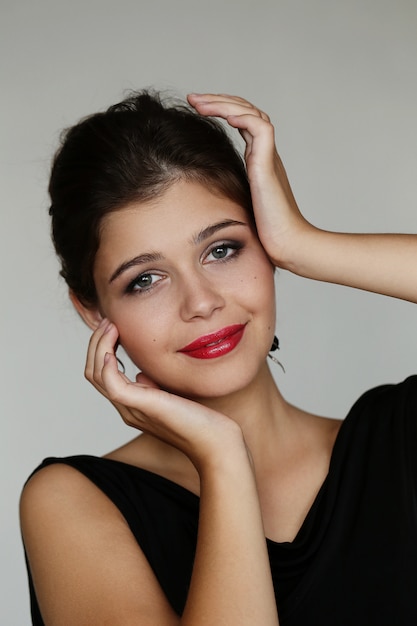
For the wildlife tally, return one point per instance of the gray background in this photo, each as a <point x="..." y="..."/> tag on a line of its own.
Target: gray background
<point x="339" y="79"/>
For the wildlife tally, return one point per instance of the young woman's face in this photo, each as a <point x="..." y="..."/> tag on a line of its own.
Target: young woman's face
<point x="190" y="288"/>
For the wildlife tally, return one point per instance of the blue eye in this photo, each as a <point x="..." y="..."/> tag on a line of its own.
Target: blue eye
<point x="143" y="282"/>
<point x="224" y="251"/>
<point x="220" y="252"/>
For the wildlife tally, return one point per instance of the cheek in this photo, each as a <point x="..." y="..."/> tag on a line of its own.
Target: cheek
<point x="141" y="333"/>
<point x="142" y="347"/>
<point x="265" y="290"/>
<point x="261" y="284"/>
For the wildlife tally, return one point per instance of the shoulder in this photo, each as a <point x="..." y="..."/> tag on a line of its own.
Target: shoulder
<point x="57" y="496"/>
<point x="54" y="480"/>
<point x="383" y="419"/>
<point x="388" y="400"/>
<point x="82" y="555"/>
<point x="59" y="479"/>
<point x="60" y="505"/>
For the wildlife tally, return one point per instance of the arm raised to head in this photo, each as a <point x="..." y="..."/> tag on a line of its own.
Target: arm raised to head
<point x="381" y="263"/>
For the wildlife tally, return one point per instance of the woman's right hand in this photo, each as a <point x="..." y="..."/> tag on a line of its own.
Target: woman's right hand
<point x="83" y="556"/>
<point x="228" y="584"/>
<point x="197" y="431"/>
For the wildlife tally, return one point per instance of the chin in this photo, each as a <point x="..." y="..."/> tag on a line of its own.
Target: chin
<point x="213" y="383"/>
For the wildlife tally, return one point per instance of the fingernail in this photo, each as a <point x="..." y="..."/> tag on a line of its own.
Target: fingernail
<point x="108" y="327"/>
<point x="103" y="322"/>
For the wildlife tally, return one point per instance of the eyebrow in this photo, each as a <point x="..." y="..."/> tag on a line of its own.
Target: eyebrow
<point x="152" y="257"/>
<point x="213" y="228"/>
<point x="149" y="257"/>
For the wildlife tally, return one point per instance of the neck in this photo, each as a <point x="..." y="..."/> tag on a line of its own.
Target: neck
<point x="260" y="410"/>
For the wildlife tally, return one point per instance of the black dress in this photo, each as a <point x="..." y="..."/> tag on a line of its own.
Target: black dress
<point x="354" y="560"/>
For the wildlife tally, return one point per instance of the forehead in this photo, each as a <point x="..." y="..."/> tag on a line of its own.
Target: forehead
<point x="161" y="224"/>
<point x="184" y="206"/>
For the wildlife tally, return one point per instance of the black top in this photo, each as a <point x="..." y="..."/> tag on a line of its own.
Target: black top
<point x="354" y="560"/>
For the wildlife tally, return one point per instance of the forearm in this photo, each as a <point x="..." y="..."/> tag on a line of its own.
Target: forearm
<point x="231" y="582"/>
<point x="380" y="263"/>
<point x="385" y="264"/>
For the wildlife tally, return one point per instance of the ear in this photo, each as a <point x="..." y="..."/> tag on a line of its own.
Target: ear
<point x="90" y="315"/>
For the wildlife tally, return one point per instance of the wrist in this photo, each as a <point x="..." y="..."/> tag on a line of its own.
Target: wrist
<point x="223" y="454"/>
<point x="293" y="248"/>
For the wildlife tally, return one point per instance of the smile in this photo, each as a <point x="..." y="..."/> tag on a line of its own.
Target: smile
<point x="216" y="344"/>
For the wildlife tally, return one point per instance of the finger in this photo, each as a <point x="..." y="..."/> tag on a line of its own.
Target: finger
<point x="119" y="381"/>
<point x="127" y="415"/>
<point x="92" y="348"/>
<point x="104" y="342"/>
<point x="100" y="352"/>
<point x="251" y="123"/>
<point x="217" y="97"/>
<point x="195" y="99"/>
<point x="246" y="103"/>
<point x="122" y="392"/>
<point x="223" y="108"/>
<point x="221" y="105"/>
<point x="259" y="138"/>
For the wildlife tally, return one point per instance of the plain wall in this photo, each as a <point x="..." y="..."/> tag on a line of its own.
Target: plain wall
<point x="339" y="79"/>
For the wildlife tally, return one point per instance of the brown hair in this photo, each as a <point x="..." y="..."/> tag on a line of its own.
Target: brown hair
<point x="132" y="152"/>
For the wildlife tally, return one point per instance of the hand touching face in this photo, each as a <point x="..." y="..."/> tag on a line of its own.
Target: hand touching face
<point x="181" y="270"/>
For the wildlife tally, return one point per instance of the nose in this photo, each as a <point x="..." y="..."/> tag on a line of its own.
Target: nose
<point x="199" y="297"/>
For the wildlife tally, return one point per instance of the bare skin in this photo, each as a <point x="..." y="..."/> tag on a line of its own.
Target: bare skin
<point x="256" y="461"/>
<point x="287" y="486"/>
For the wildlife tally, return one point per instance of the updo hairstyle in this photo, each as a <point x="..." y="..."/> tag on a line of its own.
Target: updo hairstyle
<point x="132" y="153"/>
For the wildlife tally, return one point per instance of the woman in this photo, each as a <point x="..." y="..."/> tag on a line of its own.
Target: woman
<point x="168" y="247"/>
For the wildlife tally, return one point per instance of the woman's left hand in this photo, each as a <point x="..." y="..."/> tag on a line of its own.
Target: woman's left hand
<point x="277" y="216"/>
<point x="385" y="264"/>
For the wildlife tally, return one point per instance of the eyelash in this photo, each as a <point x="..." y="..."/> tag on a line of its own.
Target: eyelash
<point x="235" y="246"/>
<point x="132" y="287"/>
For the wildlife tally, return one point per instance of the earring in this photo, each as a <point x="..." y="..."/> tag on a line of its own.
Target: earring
<point x="275" y="346"/>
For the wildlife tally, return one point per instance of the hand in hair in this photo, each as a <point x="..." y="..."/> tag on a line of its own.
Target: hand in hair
<point x="385" y="264"/>
<point x="278" y="218"/>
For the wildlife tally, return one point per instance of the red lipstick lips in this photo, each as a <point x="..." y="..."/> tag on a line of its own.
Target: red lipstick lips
<point x="215" y="344"/>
